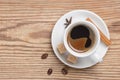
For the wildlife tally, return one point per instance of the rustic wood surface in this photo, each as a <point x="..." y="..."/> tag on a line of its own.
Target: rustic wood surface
<point x="25" y="30"/>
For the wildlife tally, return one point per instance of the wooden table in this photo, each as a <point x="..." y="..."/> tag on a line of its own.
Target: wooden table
<point x="25" y="30"/>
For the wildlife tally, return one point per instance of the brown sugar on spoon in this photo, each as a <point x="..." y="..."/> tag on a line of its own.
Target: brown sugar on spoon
<point x="103" y="37"/>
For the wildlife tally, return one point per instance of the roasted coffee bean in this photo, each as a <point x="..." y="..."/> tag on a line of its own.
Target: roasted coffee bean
<point x="64" y="71"/>
<point x="44" y="56"/>
<point x="49" y="72"/>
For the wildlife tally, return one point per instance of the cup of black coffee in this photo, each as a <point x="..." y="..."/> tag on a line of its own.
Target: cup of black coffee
<point x="81" y="38"/>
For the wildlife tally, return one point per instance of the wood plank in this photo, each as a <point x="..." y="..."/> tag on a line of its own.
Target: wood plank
<point x="25" y="31"/>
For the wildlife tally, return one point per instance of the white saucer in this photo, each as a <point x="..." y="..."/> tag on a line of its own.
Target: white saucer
<point x="58" y="32"/>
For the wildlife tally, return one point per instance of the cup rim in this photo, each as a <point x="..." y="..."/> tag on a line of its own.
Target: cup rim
<point x="89" y="52"/>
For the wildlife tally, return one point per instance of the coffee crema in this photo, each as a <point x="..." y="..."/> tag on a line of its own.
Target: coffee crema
<point x="80" y="38"/>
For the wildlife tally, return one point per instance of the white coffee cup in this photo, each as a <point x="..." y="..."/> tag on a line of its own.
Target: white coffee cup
<point x="91" y="51"/>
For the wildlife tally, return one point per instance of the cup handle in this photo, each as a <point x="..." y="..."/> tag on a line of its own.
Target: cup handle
<point x="96" y="58"/>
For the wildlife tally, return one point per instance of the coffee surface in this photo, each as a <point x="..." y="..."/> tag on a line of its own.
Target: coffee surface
<point x="80" y="38"/>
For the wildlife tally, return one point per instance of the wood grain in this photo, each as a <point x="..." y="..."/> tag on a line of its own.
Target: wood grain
<point x="25" y="30"/>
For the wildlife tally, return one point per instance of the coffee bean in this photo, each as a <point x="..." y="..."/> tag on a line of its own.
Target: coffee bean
<point x="49" y="72"/>
<point x="64" y="71"/>
<point x="44" y="56"/>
